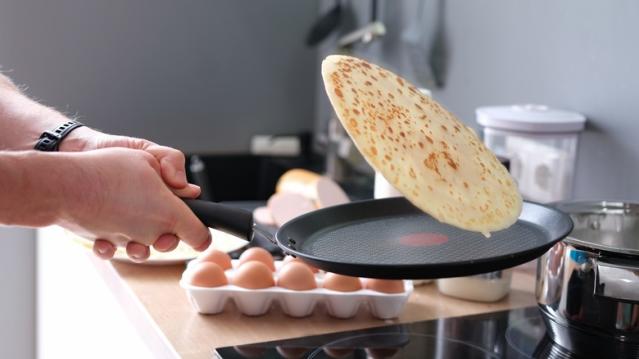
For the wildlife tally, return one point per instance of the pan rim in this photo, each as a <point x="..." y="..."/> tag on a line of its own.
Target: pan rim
<point x="450" y="269"/>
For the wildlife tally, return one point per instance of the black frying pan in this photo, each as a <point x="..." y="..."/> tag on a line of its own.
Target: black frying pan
<point x="390" y="238"/>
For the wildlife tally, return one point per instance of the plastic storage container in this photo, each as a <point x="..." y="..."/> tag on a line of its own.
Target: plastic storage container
<point x="487" y="287"/>
<point x="541" y="144"/>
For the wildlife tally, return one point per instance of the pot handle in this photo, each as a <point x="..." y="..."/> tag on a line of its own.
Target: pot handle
<point x="231" y="220"/>
<point x="617" y="281"/>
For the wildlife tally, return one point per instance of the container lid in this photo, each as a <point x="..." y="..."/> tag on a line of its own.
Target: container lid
<point x="607" y="226"/>
<point x="530" y="118"/>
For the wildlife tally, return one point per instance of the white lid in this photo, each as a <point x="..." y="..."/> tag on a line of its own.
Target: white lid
<point x="530" y="118"/>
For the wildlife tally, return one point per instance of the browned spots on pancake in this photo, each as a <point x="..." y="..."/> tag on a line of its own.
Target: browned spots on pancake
<point x="368" y="83"/>
<point x="449" y="160"/>
<point x="431" y="162"/>
<point x="419" y="107"/>
<point x="430" y="188"/>
<point x="444" y="144"/>
<point x="465" y="184"/>
<point x="356" y="111"/>
<point x="400" y="81"/>
<point x="387" y="157"/>
<point x="366" y="65"/>
<point x="421" y="145"/>
<point x="390" y="129"/>
<point x="339" y="93"/>
<point x="457" y="129"/>
<point x="352" y="122"/>
<point x="373" y="151"/>
<point x="411" y="173"/>
<point x="444" y="128"/>
<point x="430" y="140"/>
<point x="402" y="134"/>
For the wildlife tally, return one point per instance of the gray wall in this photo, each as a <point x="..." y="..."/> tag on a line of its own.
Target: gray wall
<point x="201" y="75"/>
<point x="571" y="54"/>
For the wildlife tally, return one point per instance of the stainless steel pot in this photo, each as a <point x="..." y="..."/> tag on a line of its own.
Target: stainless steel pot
<point x="588" y="284"/>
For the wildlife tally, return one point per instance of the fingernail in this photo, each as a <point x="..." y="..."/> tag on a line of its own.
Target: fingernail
<point x="101" y="249"/>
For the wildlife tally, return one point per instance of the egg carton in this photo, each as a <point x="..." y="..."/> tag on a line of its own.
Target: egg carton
<point x="255" y="302"/>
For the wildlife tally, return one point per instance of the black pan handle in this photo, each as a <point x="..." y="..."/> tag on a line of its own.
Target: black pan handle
<point x="231" y="220"/>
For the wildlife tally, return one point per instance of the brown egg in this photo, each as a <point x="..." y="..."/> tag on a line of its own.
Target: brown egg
<point x="253" y="275"/>
<point x="258" y="254"/>
<point x="296" y="276"/>
<point x="384" y="285"/>
<point x="206" y="274"/>
<point x="216" y="256"/>
<point x="341" y="283"/>
<point x="291" y="259"/>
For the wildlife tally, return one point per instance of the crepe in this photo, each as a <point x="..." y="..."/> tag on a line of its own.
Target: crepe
<point x="431" y="157"/>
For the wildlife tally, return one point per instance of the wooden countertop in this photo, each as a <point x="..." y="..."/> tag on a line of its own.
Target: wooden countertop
<point x="160" y="310"/>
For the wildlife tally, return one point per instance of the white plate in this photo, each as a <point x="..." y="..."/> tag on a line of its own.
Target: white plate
<point x="221" y="241"/>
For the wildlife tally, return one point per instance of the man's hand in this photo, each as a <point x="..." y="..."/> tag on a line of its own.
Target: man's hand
<point x="22" y="120"/>
<point x="122" y="200"/>
<point x="172" y="169"/>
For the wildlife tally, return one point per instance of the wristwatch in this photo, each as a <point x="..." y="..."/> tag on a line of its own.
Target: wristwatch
<point x="50" y="140"/>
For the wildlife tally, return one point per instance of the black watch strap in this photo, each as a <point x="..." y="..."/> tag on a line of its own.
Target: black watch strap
<point x="50" y="140"/>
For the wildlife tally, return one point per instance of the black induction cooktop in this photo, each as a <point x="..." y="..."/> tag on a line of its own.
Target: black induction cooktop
<point x="518" y="333"/>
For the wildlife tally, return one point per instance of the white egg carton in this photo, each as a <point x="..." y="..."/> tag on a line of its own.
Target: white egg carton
<point x="254" y="302"/>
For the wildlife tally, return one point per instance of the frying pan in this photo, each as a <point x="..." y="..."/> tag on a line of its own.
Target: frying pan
<point x="390" y="238"/>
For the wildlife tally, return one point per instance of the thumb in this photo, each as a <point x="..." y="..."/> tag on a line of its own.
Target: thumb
<point x="189" y="229"/>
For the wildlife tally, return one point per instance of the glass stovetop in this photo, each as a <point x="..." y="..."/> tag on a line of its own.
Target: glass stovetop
<point x="518" y="333"/>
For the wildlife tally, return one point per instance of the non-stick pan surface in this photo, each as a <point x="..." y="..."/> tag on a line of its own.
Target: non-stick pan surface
<point x="390" y="238"/>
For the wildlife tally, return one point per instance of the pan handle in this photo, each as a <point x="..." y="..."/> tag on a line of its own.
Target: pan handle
<point x="235" y="221"/>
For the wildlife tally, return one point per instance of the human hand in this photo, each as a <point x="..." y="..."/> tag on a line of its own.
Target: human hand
<point x="123" y="200"/>
<point x="172" y="168"/>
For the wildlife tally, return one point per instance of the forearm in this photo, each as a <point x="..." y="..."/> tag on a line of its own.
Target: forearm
<point x="22" y="120"/>
<point x="35" y="187"/>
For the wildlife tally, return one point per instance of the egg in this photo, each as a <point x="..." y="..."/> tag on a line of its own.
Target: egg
<point x="341" y="283"/>
<point x="216" y="256"/>
<point x="288" y="259"/>
<point x="258" y="254"/>
<point x="296" y="276"/>
<point x="384" y="285"/>
<point x="253" y="275"/>
<point x="206" y="274"/>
